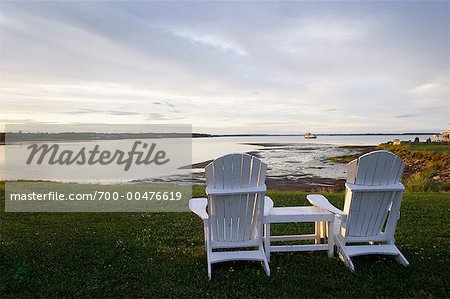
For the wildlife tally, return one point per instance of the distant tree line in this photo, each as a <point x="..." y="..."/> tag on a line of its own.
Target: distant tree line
<point x="76" y="136"/>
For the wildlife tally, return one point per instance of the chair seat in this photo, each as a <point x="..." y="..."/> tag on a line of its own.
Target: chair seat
<point x="249" y="255"/>
<point x="371" y="249"/>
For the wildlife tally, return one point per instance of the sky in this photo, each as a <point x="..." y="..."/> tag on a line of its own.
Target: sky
<point x="228" y="67"/>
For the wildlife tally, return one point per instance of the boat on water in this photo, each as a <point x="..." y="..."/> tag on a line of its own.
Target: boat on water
<point x="310" y="136"/>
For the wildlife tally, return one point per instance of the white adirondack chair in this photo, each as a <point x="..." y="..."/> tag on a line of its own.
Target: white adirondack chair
<point x="372" y="207"/>
<point x="234" y="214"/>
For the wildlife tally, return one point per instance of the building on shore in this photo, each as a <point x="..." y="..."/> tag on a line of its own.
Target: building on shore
<point x="446" y="136"/>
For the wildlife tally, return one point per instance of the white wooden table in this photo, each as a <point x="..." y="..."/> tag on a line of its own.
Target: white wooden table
<point x="324" y="223"/>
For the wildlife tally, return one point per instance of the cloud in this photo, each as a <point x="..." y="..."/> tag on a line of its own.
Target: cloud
<point x="406" y="115"/>
<point x="111" y="112"/>
<point x="432" y="90"/>
<point x="209" y="40"/>
<point x="228" y="66"/>
<point x="162" y="117"/>
<point x="169" y="104"/>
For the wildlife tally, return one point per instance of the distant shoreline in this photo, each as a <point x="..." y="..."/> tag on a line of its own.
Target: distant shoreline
<point x="89" y="136"/>
<point x="327" y="134"/>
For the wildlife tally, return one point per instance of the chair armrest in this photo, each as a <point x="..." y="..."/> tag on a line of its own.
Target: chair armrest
<point x="323" y="203"/>
<point x="268" y="205"/>
<point x="198" y="206"/>
<point x="393" y="187"/>
<point x="230" y="191"/>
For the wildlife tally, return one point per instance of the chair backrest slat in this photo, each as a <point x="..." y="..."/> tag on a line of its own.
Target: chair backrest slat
<point x="235" y="208"/>
<point x="236" y="217"/>
<point x="256" y="167"/>
<point x="218" y="174"/>
<point x="246" y="164"/>
<point x="243" y="198"/>
<point x="227" y="171"/>
<point x="237" y="171"/>
<point x="382" y="212"/>
<point x="220" y="207"/>
<point x="351" y="171"/>
<point x="397" y="170"/>
<point x="213" y="218"/>
<point x="249" y="217"/>
<point x="210" y="178"/>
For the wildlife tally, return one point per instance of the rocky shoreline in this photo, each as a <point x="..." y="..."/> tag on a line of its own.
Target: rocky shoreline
<point x="424" y="171"/>
<point x="291" y="182"/>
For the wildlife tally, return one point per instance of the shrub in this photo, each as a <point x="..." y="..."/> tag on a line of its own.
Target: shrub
<point x="419" y="182"/>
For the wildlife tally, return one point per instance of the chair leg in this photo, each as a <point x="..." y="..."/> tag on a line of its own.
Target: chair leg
<point x="343" y="255"/>
<point x="317" y="232"/>
<point x="323" y="231"/>
<point x="347" y="260"/>
<point x="206" y="237"/>
<point x="209" y="271"/>
<point x="265" y="263"/>
<point x="208" y="257"/>
<point x="266" y="267"/>
<point x="267" y="240"/>
<point x="330" y="239"/>
<point x="401" y="259"/>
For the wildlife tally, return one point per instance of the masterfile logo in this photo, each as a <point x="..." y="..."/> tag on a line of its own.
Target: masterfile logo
<point x="98" y="168"/>
<point x="52" y="155"/>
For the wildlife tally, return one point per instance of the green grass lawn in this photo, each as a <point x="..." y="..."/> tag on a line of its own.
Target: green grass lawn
<point x="162" y="255"/>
